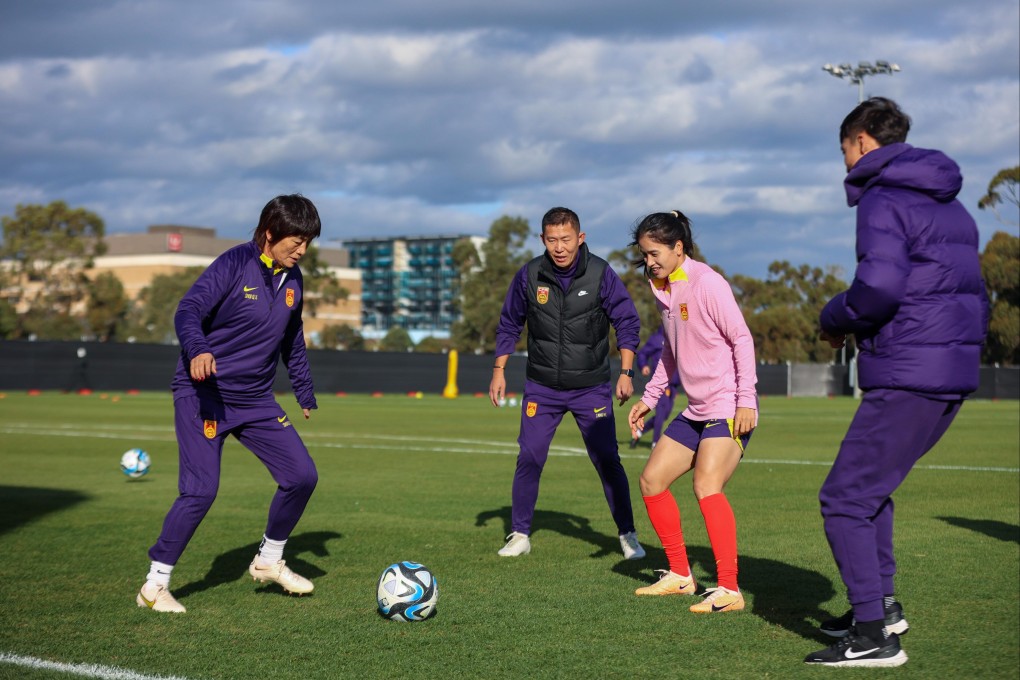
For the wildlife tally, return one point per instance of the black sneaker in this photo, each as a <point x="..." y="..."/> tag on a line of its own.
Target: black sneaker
<point x="858" y="650"/>
<point x="894" y="622"/>
<point x="633" y="443"/>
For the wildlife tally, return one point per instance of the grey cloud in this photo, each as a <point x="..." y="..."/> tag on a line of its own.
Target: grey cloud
<point x="77" y="28"/>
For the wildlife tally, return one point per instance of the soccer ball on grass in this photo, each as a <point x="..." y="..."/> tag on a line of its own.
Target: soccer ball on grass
<point x="135" y="463"/>
<point x="407" y="592"/>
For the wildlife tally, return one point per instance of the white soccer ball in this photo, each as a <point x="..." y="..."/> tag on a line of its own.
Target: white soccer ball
<point x="135" y="463"/>
<point x="407" y="592"/>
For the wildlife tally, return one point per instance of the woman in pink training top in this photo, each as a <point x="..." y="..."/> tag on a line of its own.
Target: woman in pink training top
<point x="707" y="341"/>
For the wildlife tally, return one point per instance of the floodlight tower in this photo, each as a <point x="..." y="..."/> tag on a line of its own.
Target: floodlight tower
<point x="857" y="73"/>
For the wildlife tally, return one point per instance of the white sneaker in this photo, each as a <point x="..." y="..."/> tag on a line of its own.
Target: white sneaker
<point x="158" y="600"/>
<point x="280" y="573"/>
<point x="632" y="550"/>
<point x="516" y="544"/>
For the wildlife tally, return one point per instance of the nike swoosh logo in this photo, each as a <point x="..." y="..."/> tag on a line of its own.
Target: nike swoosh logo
<point x="600" y="410"/>
<point x="719" y="609"/>
<point x="280" y="420"/>
<point x="583" y="292"/>
<point x="148" y="603"/>
<point x="711" y="425"/>
<point x="248" y="289"/>
<point x="851" y="654"/>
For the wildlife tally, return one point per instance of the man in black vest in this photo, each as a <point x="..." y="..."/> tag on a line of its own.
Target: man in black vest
<point x="569" y="298"/>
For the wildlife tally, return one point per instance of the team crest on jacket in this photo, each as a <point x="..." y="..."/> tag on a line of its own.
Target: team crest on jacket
<point x="543" y="295"/>
<point x="683" y="311"/>
<point x="210" y="429"/>
<point x="532" y="409"/>
<point x="290" y="297"/>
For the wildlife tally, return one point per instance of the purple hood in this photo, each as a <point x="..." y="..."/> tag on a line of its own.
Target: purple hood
<point x="902" y="166"/>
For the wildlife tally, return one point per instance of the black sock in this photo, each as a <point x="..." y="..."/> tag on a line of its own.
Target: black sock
<point x="873" y="630"/>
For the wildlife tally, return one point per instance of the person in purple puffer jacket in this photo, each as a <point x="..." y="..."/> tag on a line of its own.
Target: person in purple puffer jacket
<point x="919" y="311"/>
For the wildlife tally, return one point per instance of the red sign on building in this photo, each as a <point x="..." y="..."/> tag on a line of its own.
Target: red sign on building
<point x="174" y="242"/>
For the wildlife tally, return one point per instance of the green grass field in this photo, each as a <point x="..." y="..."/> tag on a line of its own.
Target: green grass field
<point x="429" y="480"/>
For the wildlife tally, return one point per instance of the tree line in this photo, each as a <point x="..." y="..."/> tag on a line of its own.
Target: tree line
<point x="45" y="293"/>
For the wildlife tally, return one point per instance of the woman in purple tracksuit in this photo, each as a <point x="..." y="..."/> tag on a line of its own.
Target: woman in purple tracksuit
<point x="918" y="309"/>
<point x="235" y="323"/>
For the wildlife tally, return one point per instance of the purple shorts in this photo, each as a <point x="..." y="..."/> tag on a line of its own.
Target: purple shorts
<point x="690" y="432"/>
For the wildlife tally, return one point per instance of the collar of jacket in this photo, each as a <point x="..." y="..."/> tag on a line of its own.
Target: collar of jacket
<point x="678" y="274"/>
<point x="550" y="269"/>
<point x="868" y="168"/>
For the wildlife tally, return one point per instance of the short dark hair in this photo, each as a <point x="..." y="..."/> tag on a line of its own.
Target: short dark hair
<point x="881" y="118"/>
<point x="284" y="216"/>
<point x="666" y="228"/>
<point x="561" y="216"/>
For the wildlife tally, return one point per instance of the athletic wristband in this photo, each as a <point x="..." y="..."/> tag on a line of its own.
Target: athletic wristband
<point x="629" y="372"/>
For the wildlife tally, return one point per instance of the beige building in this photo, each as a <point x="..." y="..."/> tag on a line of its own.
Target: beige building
<point x="164" y="249"/>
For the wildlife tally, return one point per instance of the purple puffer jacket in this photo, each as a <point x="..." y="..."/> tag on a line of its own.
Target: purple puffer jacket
<point x="917" y="304"/>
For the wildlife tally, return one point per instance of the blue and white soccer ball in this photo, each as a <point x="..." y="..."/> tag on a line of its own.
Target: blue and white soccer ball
<point x="135" y="463"/>
<point x="407" y="592"/>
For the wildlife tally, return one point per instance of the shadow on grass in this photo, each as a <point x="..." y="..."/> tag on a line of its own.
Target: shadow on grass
<point x="783" y="594"/>
<point x="233" y="564"/>
<point x="23" y="504"/>
<point x="989" y="527"/>
<point x="574" y="526"/>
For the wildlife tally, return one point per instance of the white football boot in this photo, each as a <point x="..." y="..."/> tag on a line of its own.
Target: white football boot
<point x="516" y="544"/>
<point x="632" y="550"/>
<point x="280" y="573"/>
<point x="158" y="599"/>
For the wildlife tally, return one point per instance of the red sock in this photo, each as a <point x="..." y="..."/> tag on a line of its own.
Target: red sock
<point x="722" y="533"/>
<point x="665" y="516"/>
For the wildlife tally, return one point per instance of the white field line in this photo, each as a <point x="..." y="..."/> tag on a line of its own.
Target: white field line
<point x="87" y="670"/>
<point x="416" y="444"/>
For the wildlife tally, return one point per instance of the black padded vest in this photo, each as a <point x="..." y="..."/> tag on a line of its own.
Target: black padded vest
<point x="568" y="331"/>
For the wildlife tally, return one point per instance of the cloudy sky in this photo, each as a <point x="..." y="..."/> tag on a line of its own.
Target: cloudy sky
<point x="403" y="117"/>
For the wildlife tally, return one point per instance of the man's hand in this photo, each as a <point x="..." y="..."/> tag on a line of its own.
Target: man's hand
<point x="835" y="341"/>
<point x="497" y="387"/>
<point x="624" y="388"/>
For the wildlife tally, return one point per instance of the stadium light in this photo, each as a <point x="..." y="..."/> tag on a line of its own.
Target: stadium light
<point x="857" y="73"/>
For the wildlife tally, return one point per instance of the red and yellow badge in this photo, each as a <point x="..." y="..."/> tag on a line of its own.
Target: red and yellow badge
<point x="683" y="311"/>
<point x="543" y="295"/>
<point x="210" y="429"/>
<point x="532" y="409"/>
<point x="290" y="297"/>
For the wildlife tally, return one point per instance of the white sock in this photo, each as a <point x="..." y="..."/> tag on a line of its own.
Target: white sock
<point x="159" y="574"/>
<point x="271" y="552"/>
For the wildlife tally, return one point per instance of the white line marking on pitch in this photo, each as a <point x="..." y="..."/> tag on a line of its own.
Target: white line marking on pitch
<point x="508" y="448"/>
<point x="564" y="452"/>
<point x="88" y="670"/>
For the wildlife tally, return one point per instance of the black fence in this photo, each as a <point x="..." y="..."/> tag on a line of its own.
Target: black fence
<point x="121" y="367"/>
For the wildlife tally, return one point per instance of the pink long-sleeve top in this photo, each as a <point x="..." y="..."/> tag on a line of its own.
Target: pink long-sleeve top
<point x="707" y="341"/>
